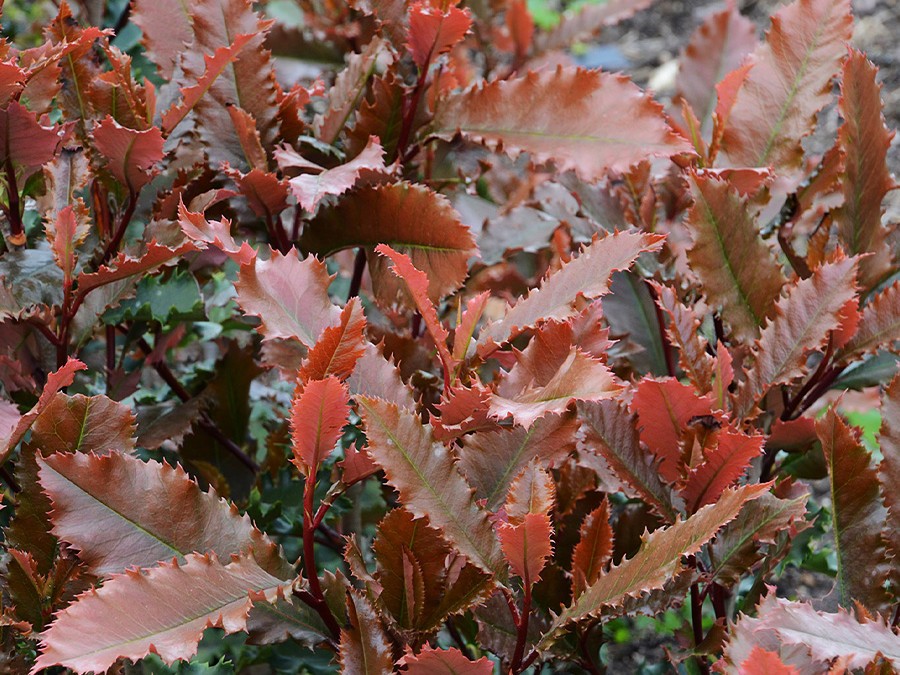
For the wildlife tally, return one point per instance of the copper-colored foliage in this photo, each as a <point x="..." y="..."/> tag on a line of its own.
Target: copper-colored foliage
<point x="522" y="115"/>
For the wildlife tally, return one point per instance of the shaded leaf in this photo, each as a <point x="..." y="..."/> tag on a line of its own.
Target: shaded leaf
<point x="788" y="83"/>
<point x="290" y="295"/>
<point x="275" y="619"/>
<point x="166" y="31"/>
<point x="656" y="562"/>
<point x="738" y="271"/>
<point x="83" y="424"/>
<point x="584" y="21"/>
<point x="737" y="548"/>
<point x="491" y="460"/>
<point x="130" y="154"/>
<point x="57" y="380"/>
<point x="569" y="116"/>
<point x="120" y="512"/>
<point x="889" y="469"/>
<point x="365" y="647"/>
<point x="593" y="550"/>
<point x="24" y="141"/>
<point x="717" y="47"/>
<point x="318" y="416"/>
<point x="411" y="219"/>
<point x="178" y="601"/>
<point x="349" y="88"/>
<point x="451" y="661"/>
<point x="433" y="31"/>
<point x="802" y="320"/>
<point x="310" y="189"/>
<point x="586" y="276"/>
<point x="879" y="323"/>
<point x="683" y="332"/>
<point x="428" y="481"/>
<point x="864" y="139"/>
<point x="611" y="432"/>
<point x="857" y="514"/>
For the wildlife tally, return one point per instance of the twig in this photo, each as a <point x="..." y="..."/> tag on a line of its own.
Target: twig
<point x="204" y="422"/>
<point x="359" y="266"/>
<point x="697" y="624"/>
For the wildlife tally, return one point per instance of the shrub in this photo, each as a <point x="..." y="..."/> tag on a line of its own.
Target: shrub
<point x="452" y="360"/>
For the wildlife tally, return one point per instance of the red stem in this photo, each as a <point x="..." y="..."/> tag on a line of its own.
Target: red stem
<point x="697" y="624"/>
<point x="317" y="598"/>
<point x="522" y="629"/>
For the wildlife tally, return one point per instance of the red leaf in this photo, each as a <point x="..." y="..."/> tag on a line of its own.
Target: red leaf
<point x="130" y="154"/>
<point x="248" y="137"/>
<point x="889" y="469"/>
<point x="527" y="546"/>
<point x="64" y="242"/>
<point x="266" y="194"/>
<point x="865" y="140"/>
<point x="178" y="602"/>
<point x="532" y="491"/>
<point x="664" y="408"/>
<point x="124" y="266"/>
<point x="586" y="276"/>
<point x="215" y="66"/>
<point x="24" y="141"/>
<point x="318" y="416"/>
<point x="520" y="25"/>
<point x="12" y="80"/>
<point x="120" y="512"/>
<point x="433" y="32"/>
<point x="491" y="460"/>
<point x="610" y="432"/>
<point x="717" y="47"/>
<point x="461" y="410"/>
<point x="722" y="467"/>
<point x="570" y="116"/>
<point x="83" y="424"/>
<point x="56" y="380"/>
<point x="683" y="331"/>
<point x="593" y="550"/>
<point x="311" y="189"/>
<point x="413" y="220"/>
<point x="578" y="378"/>
<point x="858" y="515"/>
<point x="417" y="284"/>
<point x="585" y="21"/>
<point x="738" y="271"/>
<point x="465" y="328"/>
<point x="425" y="475"/>
<point x="376" y="376"/>
<point x="789" y="82"/>
<point x="802" y="322"/>
<point x="166" y="31"/>
<point x="289" y="295"/>
<point x="339" y="348"/>
<point x="879" y="323"/>
<point x="762" y="662"/>
<point x="365" y="646"/>
<point x="218" y="233"/>
<point x="356" y="466"/>
<point x="451" y="661"/>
